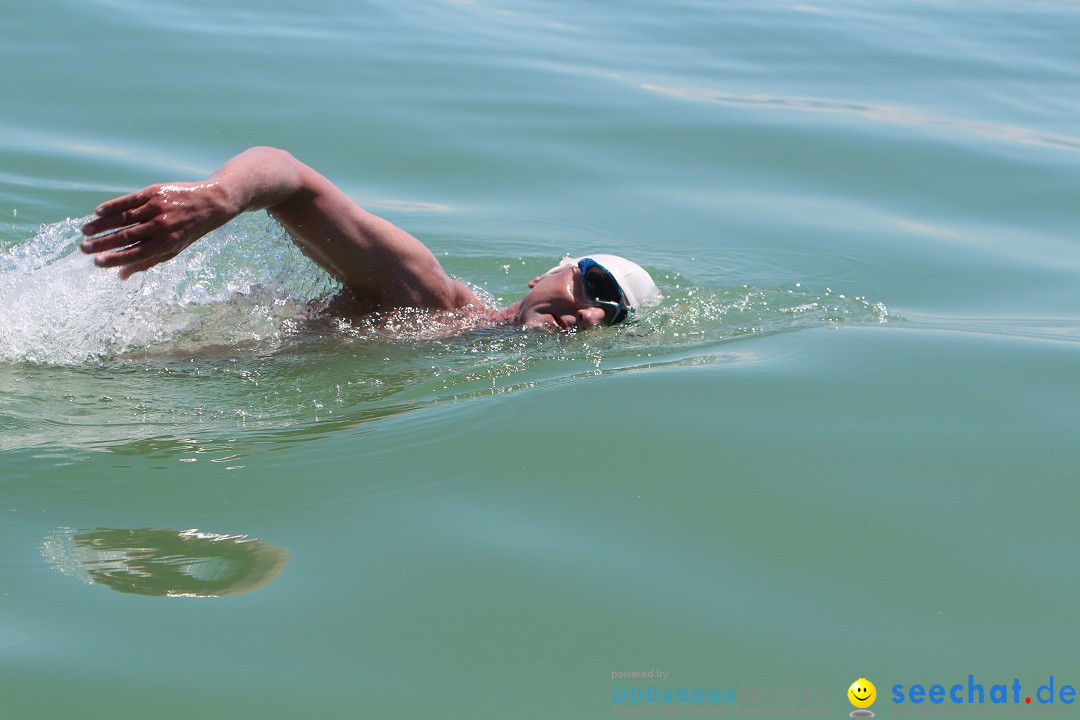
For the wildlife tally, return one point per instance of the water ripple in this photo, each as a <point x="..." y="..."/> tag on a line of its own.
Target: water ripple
<point x="892" y="114"/>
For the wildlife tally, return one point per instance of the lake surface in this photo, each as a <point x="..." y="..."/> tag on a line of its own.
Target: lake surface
<point x="843" y="446"/>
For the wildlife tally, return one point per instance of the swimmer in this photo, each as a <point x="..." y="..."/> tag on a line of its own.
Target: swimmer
<point x="381" y="266"/>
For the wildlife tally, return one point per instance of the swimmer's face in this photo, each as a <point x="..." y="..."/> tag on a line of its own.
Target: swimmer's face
<point x="862" y="693"/>
<point x="557" y="302"/>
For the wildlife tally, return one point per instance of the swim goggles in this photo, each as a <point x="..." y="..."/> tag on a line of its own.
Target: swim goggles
<point x="602" y="290"/>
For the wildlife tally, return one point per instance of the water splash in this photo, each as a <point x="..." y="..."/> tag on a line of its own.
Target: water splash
<point x="691" y="311"/>
<point x="243" y="283"/>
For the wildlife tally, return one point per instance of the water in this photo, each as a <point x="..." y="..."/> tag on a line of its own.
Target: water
<point x="842" y="447"/>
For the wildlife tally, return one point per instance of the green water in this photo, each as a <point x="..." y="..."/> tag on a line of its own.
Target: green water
<point x="842" y="447"/>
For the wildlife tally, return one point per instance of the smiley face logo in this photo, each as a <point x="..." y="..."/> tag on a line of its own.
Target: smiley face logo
<point x="862" y="693"/>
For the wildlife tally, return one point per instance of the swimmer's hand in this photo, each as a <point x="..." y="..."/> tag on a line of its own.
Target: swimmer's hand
<point x="155" y="224"/>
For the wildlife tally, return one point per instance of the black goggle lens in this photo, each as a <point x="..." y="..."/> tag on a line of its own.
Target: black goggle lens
<point x="599" y="285"/>
<point x="603" y="290"/>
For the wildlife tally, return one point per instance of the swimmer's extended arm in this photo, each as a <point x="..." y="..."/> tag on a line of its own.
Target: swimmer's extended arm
<point x="381" y="263"/>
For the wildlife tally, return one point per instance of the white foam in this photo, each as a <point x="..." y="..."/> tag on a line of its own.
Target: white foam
<point x="243" y="282"/>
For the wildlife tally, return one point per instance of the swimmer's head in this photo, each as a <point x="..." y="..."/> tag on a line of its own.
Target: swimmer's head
<point x="633" y="286"/>
<point x="587" y="291"/>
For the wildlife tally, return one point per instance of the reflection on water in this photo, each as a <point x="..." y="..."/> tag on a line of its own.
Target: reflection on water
<point x="165" y="563"/>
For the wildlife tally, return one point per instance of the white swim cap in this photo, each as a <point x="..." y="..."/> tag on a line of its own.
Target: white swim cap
<point x="636" y="283"/>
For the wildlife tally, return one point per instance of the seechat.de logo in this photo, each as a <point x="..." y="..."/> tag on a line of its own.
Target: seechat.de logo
<point x="975" y="693"/>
